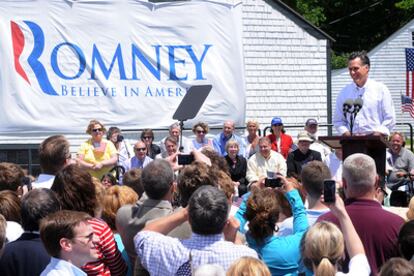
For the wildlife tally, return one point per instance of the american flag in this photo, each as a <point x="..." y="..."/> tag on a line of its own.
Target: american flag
<point x="407" y="105"/>
<point x="407" y="100"/>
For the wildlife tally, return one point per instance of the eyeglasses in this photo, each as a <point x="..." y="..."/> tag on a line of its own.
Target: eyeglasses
<point x="147" y="137"/>
<point x="97" y="130"/>
<point x="200" y="131"/>
<point x="88" y="238"/>
<point x="140" y="149"/>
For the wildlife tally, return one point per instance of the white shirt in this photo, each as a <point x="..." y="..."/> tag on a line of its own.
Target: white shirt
<point x="59" y="267"/>
<point x="358" y="266"/>
<point x="13" y="231"/>
<point x="377" y="113"/>
<point x="335" y="166"/>
<point x="43" y="181"/>
<point x="258" y="166"/>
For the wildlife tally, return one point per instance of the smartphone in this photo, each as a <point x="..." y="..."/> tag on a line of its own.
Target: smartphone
<point x="329" y="190"/>
<point x="273" y="182"/>
<point x="185" y="159"/>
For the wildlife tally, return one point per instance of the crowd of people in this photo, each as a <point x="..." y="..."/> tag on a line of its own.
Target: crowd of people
<point x="216" y="214"/>
<point x="237" y="205"/>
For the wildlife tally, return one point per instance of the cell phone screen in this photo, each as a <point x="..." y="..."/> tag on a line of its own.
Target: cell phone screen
<point x="185" y="159"/>
<point x="273" y="182"/>
<point x="329" y="190"/>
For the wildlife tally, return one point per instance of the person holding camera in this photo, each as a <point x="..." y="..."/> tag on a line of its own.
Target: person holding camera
<point x="261" y="210"/>
<point x="264" y="161"/>
<point x="124" y="149"/>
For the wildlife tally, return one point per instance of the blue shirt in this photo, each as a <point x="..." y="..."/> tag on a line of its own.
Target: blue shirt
<point x="280" y="254"/>
<point x="220" y="143"/>
<point x="163" y="255"/>
<point x="59" y="267"/>
<point x="134" y="162"/>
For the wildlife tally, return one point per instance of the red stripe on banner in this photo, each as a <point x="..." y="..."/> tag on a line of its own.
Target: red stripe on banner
<point x="407" y="83"/>
<point x="18" y="45"/>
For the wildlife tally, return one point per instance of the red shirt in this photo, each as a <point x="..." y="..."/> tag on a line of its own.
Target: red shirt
<point x="377" y="228"/>
<point x="285" y="143"/>
<point x="110" y="261"/>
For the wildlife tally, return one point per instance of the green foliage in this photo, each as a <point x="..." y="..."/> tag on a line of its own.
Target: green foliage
<point x="311" y="10"/>
<point x="355" y="24"/>
<point x="339" y="61"/>
<point x="405" y="4"/>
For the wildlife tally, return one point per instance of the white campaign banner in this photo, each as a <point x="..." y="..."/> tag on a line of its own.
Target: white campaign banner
<point x="127" y="63"/>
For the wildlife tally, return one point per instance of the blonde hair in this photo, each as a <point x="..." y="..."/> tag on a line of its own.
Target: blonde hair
<point x="322" y="247"/>
<point x="410" y="212"/>
<point x="248" y="266"/>
<point x="254" y="122"/>
<point x="114" y="198"/>
<point x="230" y="143"/>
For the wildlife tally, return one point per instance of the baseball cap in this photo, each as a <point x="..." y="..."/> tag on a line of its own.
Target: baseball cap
<point x="277" y="121"/>
<point x="304" y="136"/>
<point x="311" y="121"/>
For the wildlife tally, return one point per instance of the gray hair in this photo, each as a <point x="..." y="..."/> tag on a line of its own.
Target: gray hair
<point x="359" y="172"/>
<point x="174" y="126"/>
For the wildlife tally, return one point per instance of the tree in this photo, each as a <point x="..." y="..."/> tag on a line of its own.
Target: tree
<point x="355" y="24"/>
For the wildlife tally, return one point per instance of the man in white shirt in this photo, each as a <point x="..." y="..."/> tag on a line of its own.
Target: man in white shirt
<point x="70" y="241"/>
<point x="264" y="161"/>
<point x="377" y="115"/>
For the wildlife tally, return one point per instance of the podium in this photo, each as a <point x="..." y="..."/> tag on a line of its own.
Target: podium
<point x="374" y="146"/>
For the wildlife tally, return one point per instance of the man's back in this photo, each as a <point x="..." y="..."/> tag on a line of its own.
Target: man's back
<point x="25" y="256"/>
<point x="130" y="219"/>
<point x="377" y="228"/>
<point x="167" y="255"/>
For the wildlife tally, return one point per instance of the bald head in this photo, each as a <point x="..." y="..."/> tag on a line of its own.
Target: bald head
<point x="140" y="150"/>
<point x="228" y="128"/>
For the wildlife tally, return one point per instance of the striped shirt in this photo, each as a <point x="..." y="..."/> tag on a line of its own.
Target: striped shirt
<point x="110" y="260"/>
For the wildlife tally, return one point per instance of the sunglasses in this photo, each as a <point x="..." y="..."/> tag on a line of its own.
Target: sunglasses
<point x="97" y="130"/>
<point x="147" y="137"/>
<point x="140" y="149"/>
<point x="200" y="131"/>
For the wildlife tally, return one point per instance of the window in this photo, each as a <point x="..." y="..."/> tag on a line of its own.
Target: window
<point x="27" y="156"/>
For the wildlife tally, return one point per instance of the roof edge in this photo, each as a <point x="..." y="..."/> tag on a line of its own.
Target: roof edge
<point x="300" y="20"/>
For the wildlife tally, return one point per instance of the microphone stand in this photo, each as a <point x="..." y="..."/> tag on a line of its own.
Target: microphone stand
<point x="351" y="123"/>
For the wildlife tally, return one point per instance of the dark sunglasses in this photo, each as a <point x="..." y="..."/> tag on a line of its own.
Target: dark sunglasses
<point x="97" y="129"/>
<point x="140" y="149"/>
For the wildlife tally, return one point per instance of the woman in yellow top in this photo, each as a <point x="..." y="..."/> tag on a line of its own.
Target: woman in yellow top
<point x="97" y="155"/>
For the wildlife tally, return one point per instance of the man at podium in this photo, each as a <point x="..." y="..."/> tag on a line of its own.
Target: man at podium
<point x="365" y="106"/>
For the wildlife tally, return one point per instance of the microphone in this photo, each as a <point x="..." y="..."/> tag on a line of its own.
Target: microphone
<point x="358" y="103"/>
<point x="347" y="105"/>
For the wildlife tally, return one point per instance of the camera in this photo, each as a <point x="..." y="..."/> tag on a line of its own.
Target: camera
<point x="185" y="159"/>
<point x="119" y="139"/>
<point x="273" y="182"/>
